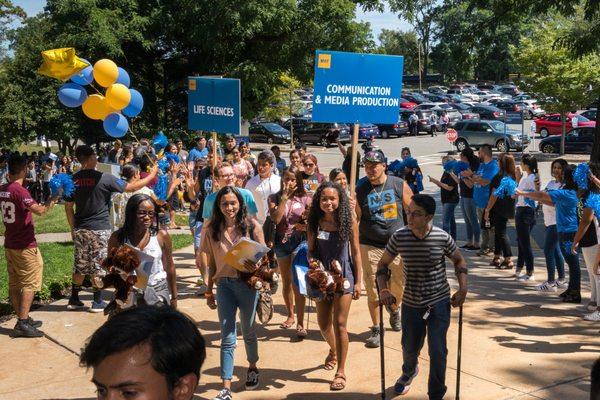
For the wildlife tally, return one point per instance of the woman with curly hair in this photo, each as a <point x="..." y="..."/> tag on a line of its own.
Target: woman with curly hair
<point x="332" y="235"/>
<point x="230" y="223"/>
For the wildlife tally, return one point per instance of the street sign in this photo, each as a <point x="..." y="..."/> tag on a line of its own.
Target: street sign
<point x="357" y="88"/>
<point x="451" y="135"/>
<point x="514" y="117"/>
<point x="214" y="104"/>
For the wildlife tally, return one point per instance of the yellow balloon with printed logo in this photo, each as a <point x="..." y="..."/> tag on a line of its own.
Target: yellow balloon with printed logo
<point x="118" y="96"/>
<point x="105" y="72"/>
<point x="96" y="107"/>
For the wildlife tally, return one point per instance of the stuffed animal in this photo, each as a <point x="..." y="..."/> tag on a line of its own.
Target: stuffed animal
<point x="327" y="281"/>
<point x="120" y="266"/>
<point x="263" y="277"/>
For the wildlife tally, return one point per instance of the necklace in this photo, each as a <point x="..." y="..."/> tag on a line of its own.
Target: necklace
<point x="378" y="194"/>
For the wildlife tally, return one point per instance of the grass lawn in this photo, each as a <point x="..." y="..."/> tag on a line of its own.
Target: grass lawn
<point x="58" y="265"/>
<point x="56" y="221"/>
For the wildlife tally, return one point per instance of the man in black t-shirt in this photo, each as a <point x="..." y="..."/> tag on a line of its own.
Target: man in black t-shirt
<point x="380" y="199"/>
<point x="88" y="213"/>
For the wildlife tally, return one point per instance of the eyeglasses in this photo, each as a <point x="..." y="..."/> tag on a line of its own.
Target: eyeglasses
<point x="143" y="213"/>
<point x="309" y="164"/>
<point x="414" y="214"/>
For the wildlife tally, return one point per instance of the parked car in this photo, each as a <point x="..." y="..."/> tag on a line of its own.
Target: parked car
<point x="510" y="90"/>
<point x="476" y="133"/>
<point x="453" y="115"/>
<point x="551" y="124"/>
<point x="464" y="94"/>
<point x="437" y="89"/>
<point x="488" y="112"/>
<point x="366" y="131"/>
<point x="415" y="97"/>
<point x="422" y="124"/>
<point x="269" y="132"/>
<point x="388" y="130"/>
<point x="590" y="114"/>
<point x="427" y="106"/>
<point x="324" y="134"/>
<point x="465" y="111"/>
<point x="508" y="105"/>
<point x="436" y="98"/>
<point x="297" y="122"/>
<point x="531" y="111"/>
<point x="578" y="140"/>
<point x="404" y="103"/>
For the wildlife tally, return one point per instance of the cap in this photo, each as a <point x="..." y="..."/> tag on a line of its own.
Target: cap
<point x="375" y="156"/>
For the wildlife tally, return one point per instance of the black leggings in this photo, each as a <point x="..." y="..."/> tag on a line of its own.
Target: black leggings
<point x="501" y="243"/>
<point x="524" y="222"/>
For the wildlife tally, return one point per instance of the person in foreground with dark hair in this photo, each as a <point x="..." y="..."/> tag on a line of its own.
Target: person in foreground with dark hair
<point x="150" y="353"/>
<point x="426" y="302"/>
<point x="23" y="258"/>
<point x="595" y="378"/>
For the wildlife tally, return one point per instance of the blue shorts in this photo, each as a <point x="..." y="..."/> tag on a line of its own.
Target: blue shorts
<point x="284" y="250"/>
<point x="197" y="232"/>
<point x="192" y="220"/>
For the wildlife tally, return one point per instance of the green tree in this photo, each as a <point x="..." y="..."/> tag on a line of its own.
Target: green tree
<point x="401" y="43"/>
<point x="553" y="72"/>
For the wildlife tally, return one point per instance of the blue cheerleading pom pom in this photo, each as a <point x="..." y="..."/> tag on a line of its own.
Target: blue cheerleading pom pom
<point x="581" y="176"/>
<point x="62" y="182"/>
<point x="161" y="187"/>
<point x="163" y="164"/>
<point x="508" y="187"/>
<point x="593" y="202"/>
<point x="411" y="163"/>
<point x="450" y="166"/>
<point x="173" y="157"/>
<point x="460" y="167"/>
<point x="396" y="166"/>
<point x="160" y="141"/>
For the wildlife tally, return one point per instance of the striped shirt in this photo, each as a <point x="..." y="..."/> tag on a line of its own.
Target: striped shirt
<point x="424" y="264"/>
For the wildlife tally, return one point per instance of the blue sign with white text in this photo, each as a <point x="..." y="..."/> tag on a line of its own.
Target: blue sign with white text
<point x="214" y="104"/>
<point x="357" y="88"/>
<point x="514" y="117"/>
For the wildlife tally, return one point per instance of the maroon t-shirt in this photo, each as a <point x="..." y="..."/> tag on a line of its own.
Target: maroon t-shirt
<point x="15" y="201"/>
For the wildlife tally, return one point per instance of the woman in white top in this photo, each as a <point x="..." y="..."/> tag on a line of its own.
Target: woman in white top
<point x="130" y="173"/>
<point x="140" y="230"/>
<point x="554" y="258"/>
<point x="527" y="176"/>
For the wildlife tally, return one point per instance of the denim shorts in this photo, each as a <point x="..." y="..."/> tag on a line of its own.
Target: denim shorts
<point x="197" y="233"/>
<point x="284" y="250"/>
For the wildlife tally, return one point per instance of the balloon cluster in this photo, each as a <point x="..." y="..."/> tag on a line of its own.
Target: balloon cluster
<point x="114" y="106"/>
<point x="507" y="187"/>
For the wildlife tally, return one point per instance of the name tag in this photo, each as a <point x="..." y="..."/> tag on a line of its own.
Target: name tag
<point x="323" y="235"/>
<point x="296" y="206"/>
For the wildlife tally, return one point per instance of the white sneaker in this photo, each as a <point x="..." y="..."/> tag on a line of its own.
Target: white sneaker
<point x="561" y="283"/>
<point x="526" y="278"/>
<point x="592" y="306"/>
<point x="547" y="287"/>
<point x="518" y="272"/>
<point x="595" y="316"/>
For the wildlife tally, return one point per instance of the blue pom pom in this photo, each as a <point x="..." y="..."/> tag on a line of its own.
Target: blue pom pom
<point x="163" y="164"/>
<point x="62" y="182"/>
<point x="581" y="176"/>
<point x="460" y="167"/>
<point x="160" y="141"/>
<point x="161" y="187"/>
<point x="411" y="163"/>
<point x="450" y="166"/>
<point x="396" y="166"/>
<point x="173" y="157"/>
<point x="508" y="187"/>
<point x="593" y="202"/>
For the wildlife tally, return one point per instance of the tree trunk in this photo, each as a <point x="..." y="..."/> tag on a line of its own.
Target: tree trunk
<point x="563" y="119"/>
<point x="595" y="156"/>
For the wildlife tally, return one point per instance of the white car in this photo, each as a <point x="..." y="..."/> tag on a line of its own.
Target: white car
<point x="427" y="106"/>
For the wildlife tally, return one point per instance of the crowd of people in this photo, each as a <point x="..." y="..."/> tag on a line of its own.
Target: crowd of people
<point x="381" y="236"/>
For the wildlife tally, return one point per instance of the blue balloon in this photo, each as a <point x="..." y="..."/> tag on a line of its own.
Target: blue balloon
<point x="72" y="95"/>
<point x="135" y="104"/>
<point x="84" y="77"/>
<point x="116" y="125"/>
<point x="123" y="77"/>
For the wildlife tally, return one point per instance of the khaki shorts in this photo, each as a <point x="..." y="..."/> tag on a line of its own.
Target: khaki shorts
<point x="370" y="258"/>
<point x="25" y="267"/>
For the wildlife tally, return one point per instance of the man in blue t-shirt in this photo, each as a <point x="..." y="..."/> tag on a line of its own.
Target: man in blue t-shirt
<point x="224" y="176"/>
<point x="488" y="168"/>
<point x="198" y="152"/>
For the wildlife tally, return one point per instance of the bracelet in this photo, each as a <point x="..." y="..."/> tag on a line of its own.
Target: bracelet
<point x="384" y="291"/>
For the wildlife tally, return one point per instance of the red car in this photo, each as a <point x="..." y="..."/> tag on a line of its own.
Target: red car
<point x="407" y="104"/>
<point x="551" y="124"/>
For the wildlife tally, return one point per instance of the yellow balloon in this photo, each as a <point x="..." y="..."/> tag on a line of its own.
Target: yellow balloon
<point x="118" y="96"/>
<point x="96" y="107"/>
<point x="105" y="72"/>
<point x="61" y="63"/>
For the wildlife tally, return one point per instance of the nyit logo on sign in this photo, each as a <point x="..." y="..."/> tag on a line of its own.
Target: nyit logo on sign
<point x="192" y="84"/>
<point x="324" y="61"/>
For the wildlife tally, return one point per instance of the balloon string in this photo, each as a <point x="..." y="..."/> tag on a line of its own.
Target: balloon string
<point x="138" y="142"/>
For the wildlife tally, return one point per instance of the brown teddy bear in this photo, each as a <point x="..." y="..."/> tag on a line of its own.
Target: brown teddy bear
<point x="327" y="281"/>
<point x="119" y="265"/>
<point x="262" y="277"/>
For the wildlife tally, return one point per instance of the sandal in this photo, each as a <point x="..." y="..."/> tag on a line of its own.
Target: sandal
<point x="286" y="325"/>
<point x="301" y="332"/>
<point x="496" y="263"/>
<point x="507" y="265"/>
<point x="330" y="362"/>
<point x="339" y="382"/>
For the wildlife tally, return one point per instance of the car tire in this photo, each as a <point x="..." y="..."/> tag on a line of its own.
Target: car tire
<point x="529" y="115"/>
<point x="461" y="144"/>
<point x="502" y="146"/>
<point x="544" y="133"/>
<point x="270" y="140"/>
<point x="385" y="134"/>
<point x="548" y="148"/>
<point x="324" y="142"/>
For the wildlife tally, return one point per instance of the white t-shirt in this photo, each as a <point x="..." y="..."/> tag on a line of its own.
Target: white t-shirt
<point x="526" y="184"/>
<point x="261" y="190"/>
<point x="550" y="211"/>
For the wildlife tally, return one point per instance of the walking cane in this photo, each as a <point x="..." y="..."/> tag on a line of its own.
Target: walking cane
<point x="381" y="345"/>
<point x="459" y="355"/>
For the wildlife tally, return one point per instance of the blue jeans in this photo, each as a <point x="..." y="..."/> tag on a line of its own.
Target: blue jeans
<point x="234" y="294"/>
<point x="449" y="222"/>
<point x="469" y="210"/>
<point x="572" y="260"/>
<point x="414" y="330"/>
<point x="524" y="223"/>
<point x="554" y="258"/>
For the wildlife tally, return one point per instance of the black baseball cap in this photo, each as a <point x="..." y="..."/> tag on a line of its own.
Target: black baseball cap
<point x="375" y="156"/>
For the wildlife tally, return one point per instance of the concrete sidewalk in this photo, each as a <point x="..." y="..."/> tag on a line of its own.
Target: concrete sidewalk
<point x="517" y="344"/>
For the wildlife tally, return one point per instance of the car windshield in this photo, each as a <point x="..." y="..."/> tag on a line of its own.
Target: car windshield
<point x="274" y="128"/>
<point x="497" y="125"/>
<point x="581" y="118"/>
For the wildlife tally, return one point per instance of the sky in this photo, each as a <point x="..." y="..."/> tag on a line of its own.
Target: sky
<point x="378" y="21"/>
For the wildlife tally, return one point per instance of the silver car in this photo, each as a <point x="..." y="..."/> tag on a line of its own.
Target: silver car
<point x="476" y="133"/>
